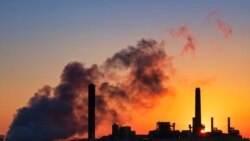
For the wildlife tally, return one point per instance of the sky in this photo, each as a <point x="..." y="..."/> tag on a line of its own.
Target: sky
<point x="38" y="38"/>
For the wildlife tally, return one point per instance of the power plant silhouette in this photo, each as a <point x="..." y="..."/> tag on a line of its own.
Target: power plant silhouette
<point x="165" y="131"/>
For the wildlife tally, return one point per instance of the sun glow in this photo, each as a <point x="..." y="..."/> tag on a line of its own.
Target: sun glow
<point x="203" y="131"/>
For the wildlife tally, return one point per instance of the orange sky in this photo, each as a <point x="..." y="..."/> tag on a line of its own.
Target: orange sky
<point x="35" y="50"/>
<point x="224" y="92"/>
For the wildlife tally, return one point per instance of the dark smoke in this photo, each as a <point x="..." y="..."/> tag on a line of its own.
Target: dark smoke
<point x="55" y="114"/>
<point x="149" y="68"/>
<point x="134" y="77"/>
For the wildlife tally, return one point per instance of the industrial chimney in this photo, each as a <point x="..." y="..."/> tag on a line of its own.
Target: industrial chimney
<point x="228" y="125"/>
<point x="198" y="106"/>
<point x="212" y="124"/>
<point x="197" y="126"/>
<point x="91" y="112"/>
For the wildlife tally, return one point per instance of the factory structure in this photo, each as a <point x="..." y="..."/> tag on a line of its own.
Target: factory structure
<point x="165" y="131"/>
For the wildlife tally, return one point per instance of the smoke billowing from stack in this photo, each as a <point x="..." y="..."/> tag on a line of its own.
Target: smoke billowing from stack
<point x="134" y="77"/>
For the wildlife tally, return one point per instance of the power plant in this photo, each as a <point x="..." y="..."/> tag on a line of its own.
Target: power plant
<point x="165" y="131"/>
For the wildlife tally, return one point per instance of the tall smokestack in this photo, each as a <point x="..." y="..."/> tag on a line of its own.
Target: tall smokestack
<point x="91" y="112"/>
<point x="212" y="124"/>
<point x="197" y="126"/>
<point x="228" y="125"/>
<point x="198" y="106"/>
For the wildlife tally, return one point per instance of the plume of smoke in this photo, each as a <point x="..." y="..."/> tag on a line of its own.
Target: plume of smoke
<point x="61" y="112"/>
<point x="205" y="80"/>
<point x="183" y="32"/>
<point x="148" y="66"/>
<point x="223" y="27"/>
<point x="201" y="80"/>
<point x="55" y="114"/>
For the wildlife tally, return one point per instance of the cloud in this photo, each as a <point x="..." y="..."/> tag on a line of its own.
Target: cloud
<point x="224" y="28"/>
<point x="58" y="113"/>
<point x="183" y="32"/>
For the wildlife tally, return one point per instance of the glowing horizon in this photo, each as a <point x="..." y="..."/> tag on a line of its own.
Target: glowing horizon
<point x="206" y="46"/>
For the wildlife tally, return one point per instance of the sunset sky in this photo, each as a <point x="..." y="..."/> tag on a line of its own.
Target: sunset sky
<point x="38" y="38"/>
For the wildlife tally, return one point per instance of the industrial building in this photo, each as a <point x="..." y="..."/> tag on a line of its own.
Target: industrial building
<point x="165" y="131"/>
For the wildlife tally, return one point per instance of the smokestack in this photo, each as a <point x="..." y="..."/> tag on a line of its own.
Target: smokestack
<point x="197" y="126"/>
<point x="212" y="124"/>
<point x="173" y="126"/>
<point x="91" y="112"/>
<point x="228" y="125"/>
<point x="198" y="106"/>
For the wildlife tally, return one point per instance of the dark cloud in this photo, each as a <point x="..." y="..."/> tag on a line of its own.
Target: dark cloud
<point x="183" y="32"/>
<point x="61" y="112"/>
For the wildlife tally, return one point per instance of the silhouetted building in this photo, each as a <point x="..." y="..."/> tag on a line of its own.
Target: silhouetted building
<point x="231" y="130"/>
<point x="121" y="133"/>
<point x="165" y="131"/>
<point x="91" y="112"/>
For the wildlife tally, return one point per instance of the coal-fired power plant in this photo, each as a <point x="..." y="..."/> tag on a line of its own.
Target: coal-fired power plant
<point x="165" y="131"/>
<point x="91" y="112"/>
